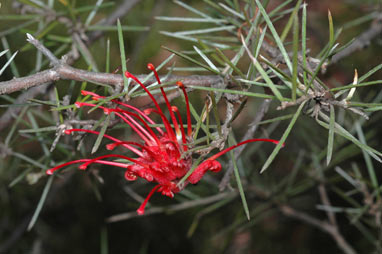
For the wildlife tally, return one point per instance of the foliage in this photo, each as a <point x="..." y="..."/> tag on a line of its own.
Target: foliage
<point x="252" y="69"/>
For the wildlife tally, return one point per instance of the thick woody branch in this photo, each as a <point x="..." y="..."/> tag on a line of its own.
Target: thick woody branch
<point x="62" y="71"/>
<point x="65" y="72"/>
<point x="72" y="55"/>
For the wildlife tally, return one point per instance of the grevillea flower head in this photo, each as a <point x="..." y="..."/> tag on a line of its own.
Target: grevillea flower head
<point x="161" y="156"/>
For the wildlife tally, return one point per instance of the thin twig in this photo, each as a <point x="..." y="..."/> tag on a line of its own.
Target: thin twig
<point x="40" y="47"/>
<point x="326" y="202"/>
<point x="119" y="12"/>
<point x="362" y="41"/>
<point x="65" y="72"/>
<point x="322" y="225"/>
<point x="173" y="208"/>
<point x="71" y="56"/>
<point x="7" y="116"/>
<point x="249" y="134"/>
<point x="62" y="71"/>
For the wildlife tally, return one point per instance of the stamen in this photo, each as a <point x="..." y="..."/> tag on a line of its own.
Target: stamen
<point x="175" y="109"/>
<point x="133" y="149"/>
<point x="112" y="163"/>
<point x="141" y="209"/>
<point x="135" y="128"/>
<point x="118" y="143"/>
<point x="176" y="126"/>
<point x="86" y="164"/>
<point x="129" y="75"/>
<point x="113" y="145"/>
<point x="148" y="128"/>
<point x="214" y="157"/>
<point x="148" y="119"/>
<point x="189" y="127"/>
<point x="96" y="97"/>
<point x="139" y="130"/>
<point x="170" y="131"/>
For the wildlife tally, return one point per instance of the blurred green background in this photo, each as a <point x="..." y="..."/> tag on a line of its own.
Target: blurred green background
<point x="73" y="217"/>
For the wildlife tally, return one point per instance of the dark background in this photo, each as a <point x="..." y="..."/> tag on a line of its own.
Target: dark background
<point x="73" y="218"/>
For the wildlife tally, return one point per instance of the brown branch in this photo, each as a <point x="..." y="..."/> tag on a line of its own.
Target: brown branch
<point x="362" y="41"/>
<point x="119" y="12"/>
<point x="248" y="135"/>
<point x="326" y="202"/>
<point x="322" y="225"/>
<point x="173" y="208"/>
<point x="65" y="72"/>
<point x="7" y="116"/>
<point x="15" y="236"/>
<point x="62" y="71"/>
<point x="71" y="56"/>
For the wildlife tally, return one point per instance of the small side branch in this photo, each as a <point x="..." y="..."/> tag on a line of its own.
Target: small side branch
<point x="362" y="41"/>
<point x="46" y="52"/>
<point x="322" y="225"/>
<point x="248" y="135"/>
<point x="65" y="72"/>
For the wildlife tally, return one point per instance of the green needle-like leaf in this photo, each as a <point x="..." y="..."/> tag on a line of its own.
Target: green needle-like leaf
<point x="101" y="133"/>
<point x="193" y="167"/>
<point x="369" y="163"/>
<point x="291" y="20"/>
<point x="303" y="42"/>
<point x="8" y="62"/>
<point x="238" y="180"/>
<point x="344" y="133"/>
<point x="331" y="30"/>
<point x="274" y="34"/>
<point x="295" y="57"/>
<point x="258" y="95"/>
<point x="283" y="138"/>
<point x="191" y="60"/>
<point x="41" y="202"/>
<point x="331" y="135"/>
<point x="206" y="59"/>
<point x="123" y="55"/>
<point x="262" y="72"/>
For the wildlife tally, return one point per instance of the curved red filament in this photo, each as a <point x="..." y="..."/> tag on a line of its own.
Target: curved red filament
<point x="174" y="121"/>
<point x="214" y="157"/>
<point x="189" y="127"/>
<point x="86" y="164"/>
<point x="112" y="163"/>
<point x="141" y="209"/>
<point x="133" y="124"/>
<point x="133" y="149"/>
<point x="113" y="145"/>
<point x="96" y="97"/>
<point x="170" y="131"/>
<point x="175" y="109"/>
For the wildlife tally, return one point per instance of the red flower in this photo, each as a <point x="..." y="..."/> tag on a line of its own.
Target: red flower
<point x="161" y="157"/>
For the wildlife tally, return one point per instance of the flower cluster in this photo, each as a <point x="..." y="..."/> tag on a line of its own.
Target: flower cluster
<point x="160" y="157"/>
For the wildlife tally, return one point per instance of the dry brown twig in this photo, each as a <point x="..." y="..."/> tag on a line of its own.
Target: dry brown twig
<point x="248" y="135"/>
<point x="322" y="225"/>
<point x="62" y="71"/>
<point x="173" y="208"/>
<point x="72" y="55"/>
